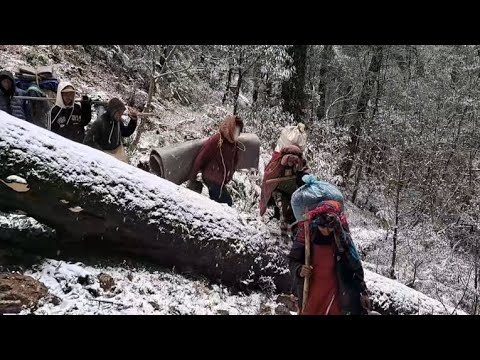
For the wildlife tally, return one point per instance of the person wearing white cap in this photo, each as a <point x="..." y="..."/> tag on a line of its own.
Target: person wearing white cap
<point x="66" y="118"/>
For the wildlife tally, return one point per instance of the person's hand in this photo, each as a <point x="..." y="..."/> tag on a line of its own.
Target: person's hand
<point x="306" y="271"/>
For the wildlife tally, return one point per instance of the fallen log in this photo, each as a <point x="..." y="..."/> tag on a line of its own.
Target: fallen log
<point x="94" y="201"/>
<point x="390" y="297"/>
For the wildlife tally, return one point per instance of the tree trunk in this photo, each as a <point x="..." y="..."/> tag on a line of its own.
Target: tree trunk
<point x="237" y="91"/>
<point x="257" y="78"/>
<point x="395" y="229"/>
<point x="362" y="104"/>
<point x="151" y="93"/>
<point x="326" y="58"/>
<point x="358" y="177"/>
<point x="475" y="298"/>
<point x="151" y="88"/>
<point x="227" y="90"/>
<point x="268" y="88"/>
<point x="340" y="120"/>
<point x="293" y="90"/>
<point x="94" y="201"/>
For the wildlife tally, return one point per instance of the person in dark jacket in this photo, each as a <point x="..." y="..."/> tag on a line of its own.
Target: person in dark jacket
<point x="8" y="103"/>
<point x="218" y="158"/>
<point x="67" y="118"/>
<point x="336" y="279"/>
<point x="107" y="131"/>
<point x="39" y="109"/>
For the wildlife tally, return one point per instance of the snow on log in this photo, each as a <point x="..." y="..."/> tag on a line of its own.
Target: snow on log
<point x="389" y="297"/>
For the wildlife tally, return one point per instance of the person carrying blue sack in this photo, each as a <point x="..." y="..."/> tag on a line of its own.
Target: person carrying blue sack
<point x="327" y="272"/>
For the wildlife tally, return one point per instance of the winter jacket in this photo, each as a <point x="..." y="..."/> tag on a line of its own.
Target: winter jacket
<point x="106" y="133"/>
<point x="15" y="107"/>
<point x="218" y="158"/>
<point x="39" y="108"/>
<point x="70" y="121"/>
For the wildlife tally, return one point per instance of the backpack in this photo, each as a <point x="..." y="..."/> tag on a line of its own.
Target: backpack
<point x="292" y="135"/>
<point x="310" y="195"/>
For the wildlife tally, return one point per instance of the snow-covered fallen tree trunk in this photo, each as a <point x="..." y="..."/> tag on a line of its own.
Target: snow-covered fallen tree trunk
<point x="94" y="201"/>
<point x="389" y="297"/>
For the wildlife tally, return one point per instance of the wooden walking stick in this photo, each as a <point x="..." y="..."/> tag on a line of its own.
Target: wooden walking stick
<point x="306" y="281"/>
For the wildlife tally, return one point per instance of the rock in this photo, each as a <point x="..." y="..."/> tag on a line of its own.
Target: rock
<point x="20" y="291"/>
<point x="130" y="276"/>
<point x="106" y="282"/>
<point x="84" y="280"/>
<point x="94" y="292"/>
<point x="223" y="312"/>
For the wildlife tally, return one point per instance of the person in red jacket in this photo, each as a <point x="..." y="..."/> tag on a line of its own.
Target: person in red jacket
<point x="218" y="158"/>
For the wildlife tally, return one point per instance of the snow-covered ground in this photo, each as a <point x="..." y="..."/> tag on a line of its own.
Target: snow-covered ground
<point x="146" y="291"/>
<point x="139" y="291"/>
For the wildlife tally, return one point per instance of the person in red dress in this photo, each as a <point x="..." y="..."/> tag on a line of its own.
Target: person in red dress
<point x="336" y="284"/>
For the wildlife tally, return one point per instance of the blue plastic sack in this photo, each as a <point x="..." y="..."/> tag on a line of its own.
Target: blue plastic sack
<point x="310" y="195"/>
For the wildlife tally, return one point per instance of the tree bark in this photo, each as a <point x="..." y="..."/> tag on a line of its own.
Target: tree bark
<point x="395" y="229"/>
<point x="237" y="91"/>
<point x="293" y="90"/>
<point x="227" y="89"/>
<point x="326" y="58"/>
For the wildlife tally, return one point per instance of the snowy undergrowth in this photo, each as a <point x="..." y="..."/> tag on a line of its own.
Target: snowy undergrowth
<point x="138" y="291"/>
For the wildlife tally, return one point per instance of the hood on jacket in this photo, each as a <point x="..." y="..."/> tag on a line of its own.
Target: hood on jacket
<point x="7" y="74"/>
<point x="227" y="128"/>
<point x="61" y="87"/>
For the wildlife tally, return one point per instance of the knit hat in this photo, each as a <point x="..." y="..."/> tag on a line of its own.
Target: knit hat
<point x="115" y="105"/>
